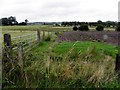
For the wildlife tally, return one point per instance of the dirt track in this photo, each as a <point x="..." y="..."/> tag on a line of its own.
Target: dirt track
<point x="111" y="37"/>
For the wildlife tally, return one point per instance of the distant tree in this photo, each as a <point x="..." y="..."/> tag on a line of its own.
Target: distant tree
<point x="12" y="20"/>
<point x="26" y="21"/>
<point x="22" y="23"/>
<point x="108" y="23"/>
<point x="99" y="22"/>
<point x="100" y="28"/>
<point x="75" y="28"/>
<point x="4" y="21"/>
<point x="84" y="27"/>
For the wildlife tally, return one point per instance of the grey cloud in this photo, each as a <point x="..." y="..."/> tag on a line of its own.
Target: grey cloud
<point x="60" y="10"/>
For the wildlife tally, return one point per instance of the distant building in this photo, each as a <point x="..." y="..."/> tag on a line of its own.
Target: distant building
<point x="44" y="23"/>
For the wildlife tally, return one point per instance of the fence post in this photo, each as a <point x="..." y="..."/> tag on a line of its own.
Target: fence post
<point x="38" y="36"/>
<point x="48" y="33"/>
<point x="43" y="35"/>
<point x="117" y="64"/>
<point x="7" y="40"/>
<point x="20" y="55"/>
<point x="7" y="47"/>
<point x="29" y="40"/>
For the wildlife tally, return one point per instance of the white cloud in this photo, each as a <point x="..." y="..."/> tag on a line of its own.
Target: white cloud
<point x="60" y="10"/>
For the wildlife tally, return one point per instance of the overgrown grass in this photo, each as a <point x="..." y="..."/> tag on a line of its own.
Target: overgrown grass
<point x="69" y="65"/>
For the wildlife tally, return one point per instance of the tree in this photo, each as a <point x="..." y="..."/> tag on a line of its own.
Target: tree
<point x="22" y="23"/>
<point x="84" y="27"/>
<point x="12" y="20"/>
<point x="75" y="28"/>
<point x="100" y="28"/>
<point x="26" y="21"/>
<point x="5" y="21"/>
<point x="99" y="22"/>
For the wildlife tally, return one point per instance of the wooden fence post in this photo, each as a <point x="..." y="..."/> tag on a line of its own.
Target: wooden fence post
<point x="38" y="36"/>
<point x="48" y="33"/>
<point x="29" y="40"/>
<point x="117" y="63"/>
<point x="20" y="55"/>
<point x="7" y="47"/>
<point x="43" y="35"/>
<point x="7" y="40"/>
<point x="117" y="66"/>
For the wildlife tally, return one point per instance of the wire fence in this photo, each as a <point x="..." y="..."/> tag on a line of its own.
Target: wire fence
<point x="27" y="41"/>
<point x="24" y="43"/>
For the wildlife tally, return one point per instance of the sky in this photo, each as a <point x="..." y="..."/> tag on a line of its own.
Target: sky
<point x="60" y="10"/>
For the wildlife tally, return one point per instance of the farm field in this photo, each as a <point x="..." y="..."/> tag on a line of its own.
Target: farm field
<point x="62" y="64"/>
<point x="26" y="30"/>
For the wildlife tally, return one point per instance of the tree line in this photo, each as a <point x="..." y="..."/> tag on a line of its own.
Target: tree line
<point x="99" y="22"/>
<point x="10" y="21"/>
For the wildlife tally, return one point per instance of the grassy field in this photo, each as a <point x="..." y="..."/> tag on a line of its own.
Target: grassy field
<point x="24" y="30"/>
<point x="34" y="27"/>
<point x="62" y="64"/>
<point x="15" y="31"/>
<point x="64" y="47"/>
<point x="69" y="65"/>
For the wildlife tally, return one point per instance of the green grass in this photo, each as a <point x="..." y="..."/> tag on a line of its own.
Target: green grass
<point x="64" y="47"/>
<point x="74" y="64"/>
<point x="62" y="65"/>
<point x="42" y="47"/>
<point x="67" y="65"/>
<point x="34" y="27"/>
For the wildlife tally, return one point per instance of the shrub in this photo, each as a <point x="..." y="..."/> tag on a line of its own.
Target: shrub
<point x="84" y="27"/>
<point x="100" y="28"/>
<point x="118" y="28"/>
<point x="75" y="28"/>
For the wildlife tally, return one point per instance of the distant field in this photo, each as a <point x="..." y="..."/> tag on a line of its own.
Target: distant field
<point x="23" y="30"/>
<point x="31" y="29"/>
<point x="34" y="27"/>
<point x="15" y="31"/>
<point x="45" y="27"/>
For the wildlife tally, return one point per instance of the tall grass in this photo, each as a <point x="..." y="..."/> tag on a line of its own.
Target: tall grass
<point x="88" y="69"/>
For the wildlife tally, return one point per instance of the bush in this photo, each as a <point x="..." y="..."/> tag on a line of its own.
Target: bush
<point x="84" y="27"/>
<point x="100" y="28"/>
<point x="75" y="28"/>
<point x="118" y="28"/>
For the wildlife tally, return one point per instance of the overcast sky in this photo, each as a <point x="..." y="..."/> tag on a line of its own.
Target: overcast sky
<point x="60" y="10"/>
